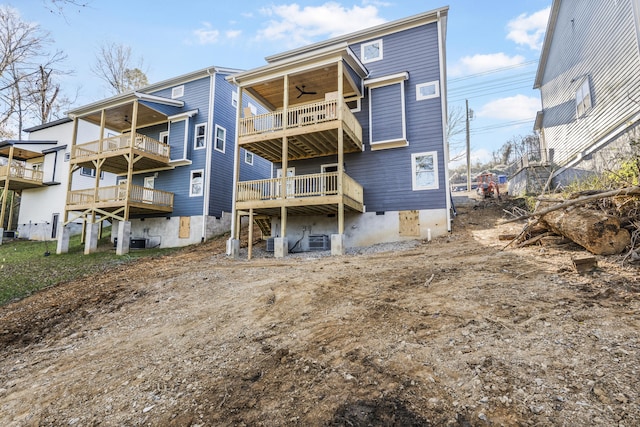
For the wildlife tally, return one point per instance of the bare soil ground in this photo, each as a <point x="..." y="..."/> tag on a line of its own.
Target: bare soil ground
<point x="454" y="332"/>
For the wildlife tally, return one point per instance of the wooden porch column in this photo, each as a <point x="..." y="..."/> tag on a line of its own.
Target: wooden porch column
<point x="250" y="242"/>
<point x="285" y="158"/>
<point x="340" y="149"/>
<point x="11" y="205"/>
<point x="5" y="191"/>
<point x="134" y="124"/>
<point x="235" y="217"/>
<point x="74" y="137"/>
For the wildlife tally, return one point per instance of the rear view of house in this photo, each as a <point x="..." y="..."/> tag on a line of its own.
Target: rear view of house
<point x="171" y="144"/>
<point x="589" y="81"/>
<point x="355" y="127"/>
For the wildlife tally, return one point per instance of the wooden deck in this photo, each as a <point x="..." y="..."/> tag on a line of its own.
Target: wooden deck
<point x="312" y="131"/>
<point x="20" y="177"/>
<point x="114" y="198"/>
<point x="148" y="153"/>
<point x="312" y="194"/>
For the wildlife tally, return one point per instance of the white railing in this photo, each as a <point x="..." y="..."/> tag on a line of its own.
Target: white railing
<point x="21" y="172"/>
<point x="299" y="116"/>
<point x="115" y="143"/>
<point x="118" y="193"/>
<point x="320" y="184"/>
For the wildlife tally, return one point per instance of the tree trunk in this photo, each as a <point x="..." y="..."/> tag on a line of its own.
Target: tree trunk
<point x="597" y="232"/>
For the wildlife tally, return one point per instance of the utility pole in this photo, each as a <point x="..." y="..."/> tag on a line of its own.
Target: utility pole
<point x="468" y="146"/>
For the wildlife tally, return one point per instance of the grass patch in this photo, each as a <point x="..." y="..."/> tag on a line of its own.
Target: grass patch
<point x="26" y="268"/>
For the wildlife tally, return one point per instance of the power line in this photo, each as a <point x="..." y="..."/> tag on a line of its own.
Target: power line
<point x="493" y="71"/>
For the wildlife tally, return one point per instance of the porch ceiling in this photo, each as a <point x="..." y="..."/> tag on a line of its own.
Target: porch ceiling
<point x="119" y="118"/>
<point x="321" y="80"/>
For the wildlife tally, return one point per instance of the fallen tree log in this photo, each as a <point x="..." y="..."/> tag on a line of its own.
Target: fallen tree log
<point x="595" y="231"/>
<point x="628" y="191"/>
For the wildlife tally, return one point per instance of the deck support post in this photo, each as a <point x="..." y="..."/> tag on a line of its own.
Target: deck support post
<point x="91" y="238"/>
<point x="337" y="244"/>
<point x="64" y="233"/>
<point x="1" y="235"/>
<point x="250" y="238"/>
<point x="124" y="237"/>
<point x="280" y="247"/>
<point x="233" y="248"/>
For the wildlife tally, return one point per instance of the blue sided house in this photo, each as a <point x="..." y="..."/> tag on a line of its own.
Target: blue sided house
<point x="355" y="127"/>
<point x="172" y="147"/>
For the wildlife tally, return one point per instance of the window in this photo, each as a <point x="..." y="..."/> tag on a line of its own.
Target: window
<point x="427" y="90"/>
<point x="221" y="137"/>
<point x="583" y="98"/>
<point x="371" y="51"/>
<point x="234" y="99"/>
<point x="196" y="184"/>
<point x="37" y="167"/>
<point x="164" y="137"/>
<point x="177" y="92"/>
<point x="424" y="169"/>
<point x="200" y="140"/>
<point x="252" y="108"/>
<point x="353" y="102"/>
<point x="248" y="158"/>
<point x="67" y="156"/>
<point x="90" y="172"/>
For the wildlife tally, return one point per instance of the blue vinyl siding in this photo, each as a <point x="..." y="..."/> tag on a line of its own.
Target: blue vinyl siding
<point x="386" y="174"/>
<point x="386" y="114"/>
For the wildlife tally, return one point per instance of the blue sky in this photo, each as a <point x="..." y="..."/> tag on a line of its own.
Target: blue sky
<point x="492" y="46"/>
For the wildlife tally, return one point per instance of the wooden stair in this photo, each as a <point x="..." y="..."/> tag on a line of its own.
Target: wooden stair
<point x="264" y="223"/>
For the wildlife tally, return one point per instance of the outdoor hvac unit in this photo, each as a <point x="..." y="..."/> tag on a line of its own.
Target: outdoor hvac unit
<point x="319" y="242"/>
<point x="270" y="244"/>
<point x="138" y="243"/>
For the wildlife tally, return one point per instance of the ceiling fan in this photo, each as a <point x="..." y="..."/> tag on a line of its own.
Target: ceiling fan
<point x="304" y="92"/>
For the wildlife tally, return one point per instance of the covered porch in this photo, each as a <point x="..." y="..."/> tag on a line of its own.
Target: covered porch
<point x="307" y="114"/>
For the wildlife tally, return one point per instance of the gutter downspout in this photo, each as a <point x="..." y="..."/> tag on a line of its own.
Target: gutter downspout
<point x="443" y="96"/>
<point x="209" y="151"/>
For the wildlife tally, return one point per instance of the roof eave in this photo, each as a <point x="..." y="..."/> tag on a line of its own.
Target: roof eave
<point x="546" y="45"/>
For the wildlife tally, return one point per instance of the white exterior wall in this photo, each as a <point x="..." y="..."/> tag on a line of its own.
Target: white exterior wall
<point x="597" y="40"/>
<point x="362" y="229"/>
<point x="164" y="232"/>
<point x="38" y="205"/>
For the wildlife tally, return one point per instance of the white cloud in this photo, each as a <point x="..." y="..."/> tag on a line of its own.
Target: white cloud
<point x="233" y="34"/>
<point x="528" y="30"/>
<point x="519" y="107"/>
<point x="480" y="63"/>
<point x="301" y="25"/>
<point x="206" y="34"/>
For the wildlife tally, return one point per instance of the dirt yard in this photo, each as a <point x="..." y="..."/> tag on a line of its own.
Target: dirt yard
<point x="452" y="332"/>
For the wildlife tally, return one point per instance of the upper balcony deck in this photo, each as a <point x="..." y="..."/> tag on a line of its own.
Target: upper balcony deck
<point x="20" y="177"/>
<point x="148" y="153"/>
<point x="312" y="131"/>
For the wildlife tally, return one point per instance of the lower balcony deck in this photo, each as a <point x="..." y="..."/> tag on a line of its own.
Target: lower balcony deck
<point x="314" y="194"/>
<point x="113" y="200"/>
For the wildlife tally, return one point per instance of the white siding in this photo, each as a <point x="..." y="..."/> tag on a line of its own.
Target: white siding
<point x="595" y="39"/>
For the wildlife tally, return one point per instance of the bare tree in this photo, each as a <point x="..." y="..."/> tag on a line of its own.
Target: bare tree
<point x="456" y="125"/>
<point x="113" y="65"/>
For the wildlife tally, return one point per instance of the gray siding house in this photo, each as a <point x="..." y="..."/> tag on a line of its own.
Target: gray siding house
<point x="172" y="146"/>
<point x="589" y="81"/>
<point x="357" y="123"/>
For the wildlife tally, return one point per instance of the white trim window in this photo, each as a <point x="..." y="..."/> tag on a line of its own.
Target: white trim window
<point x="200" y="138"/>
<point x="248" y="157"/>
<point x="424" y="171"/>
<point x="196" y="183"/>
<point x="583" y="98"/>
<point x="177" y="92"/>
<point x="221" y="139"/>
<point x="427" y="90"/>
<point x="90" y="172"/>
<point x="387" y="114"/>
<point x="371" y="51"/>
<point x="234" y="99"/>
<point x="164" y="137"/>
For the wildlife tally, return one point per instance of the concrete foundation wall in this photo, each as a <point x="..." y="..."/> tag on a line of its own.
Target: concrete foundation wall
<point x="42" y="230"/>
<point x="165" y="232"/>
<point x="360" y="229"/>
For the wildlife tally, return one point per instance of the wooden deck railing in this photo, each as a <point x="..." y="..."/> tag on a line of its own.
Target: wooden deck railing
<point x="319" y="184"/>
<point x="115" y="143"/>
<point x="118" y="193"/>
<point x="15" y="171"/>
<point x="299" y="116"/>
